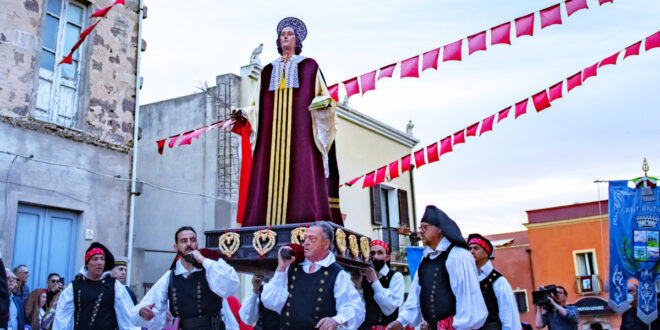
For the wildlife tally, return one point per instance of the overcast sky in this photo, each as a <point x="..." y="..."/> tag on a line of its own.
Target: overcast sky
<point x="601" y="130"/>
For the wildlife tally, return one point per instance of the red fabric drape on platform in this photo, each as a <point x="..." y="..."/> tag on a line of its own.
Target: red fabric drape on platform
<point x="386" y="71"/>
<point x="432" y="153"/>
<point x="503" y="114"/>
<point x="541" y="101"/>
<point x="405" y="163"/>
<point x="472" y="129"/>
<point x="574" y="81"/>
<point x="575" y="5"/>
<point x="334" y="92"/>
<point x="477" y="42"/>
<point x="589" y="72"/>
<point x="430" y="59"/>
<point x="609" y="60"/>
<point x="445" y="145"/>
<point x="632" y="49"/>
<point x="521" y="108"/>
<point x="235" y="307"/>
<point x="555" y="91"/>
<point x="368" y="180"/>
<point x="380" y="175"/>
<point x="368" y="81"/>
<point x="452" y="51"/>
<point x="525" y="25"/>
<point x="394" y="169"/>
<point x="550" y="16"/>
<point x="459" y="137"/>
<point x="419" y="158"/>
<point x="352" y="87"/>
<point x="501" y="34"/>
<point x="410" y="67"/>
<point x="246" y="167"/>
<point x="487" y="125"/>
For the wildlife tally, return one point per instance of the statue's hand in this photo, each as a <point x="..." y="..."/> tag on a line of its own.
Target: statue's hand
<point x="237" y="115"/>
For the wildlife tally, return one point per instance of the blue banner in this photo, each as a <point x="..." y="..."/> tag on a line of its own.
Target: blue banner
<point x="414" y="255"/>
<point x="634" y="214"/>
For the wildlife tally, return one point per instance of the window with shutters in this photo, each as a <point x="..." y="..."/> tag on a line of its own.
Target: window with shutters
<point x="389" y="207"/>
<point x="58" y="88"/>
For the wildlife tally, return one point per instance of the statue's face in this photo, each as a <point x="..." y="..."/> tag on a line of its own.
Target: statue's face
<point x="288" y="39"/>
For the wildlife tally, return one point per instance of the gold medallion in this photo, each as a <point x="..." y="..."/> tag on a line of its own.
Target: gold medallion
<point x="267" y="235"/>
<point x="229" y="243"/>
<point x="340" y="239"/>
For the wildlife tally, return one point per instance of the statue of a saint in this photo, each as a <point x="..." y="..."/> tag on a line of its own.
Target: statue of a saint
<point x="291" y="121"/>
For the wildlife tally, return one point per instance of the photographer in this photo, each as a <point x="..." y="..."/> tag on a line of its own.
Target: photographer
<point x="556" y="315"/>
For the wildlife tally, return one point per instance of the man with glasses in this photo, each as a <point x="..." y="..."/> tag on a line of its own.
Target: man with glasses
<point x="560" y="317"/>
<point x="53" y="284"/>
<point x="22" y="290"/>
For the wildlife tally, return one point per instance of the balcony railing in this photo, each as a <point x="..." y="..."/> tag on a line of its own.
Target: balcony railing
<point x="588" y="285"/>
<point x="398" y="239"/>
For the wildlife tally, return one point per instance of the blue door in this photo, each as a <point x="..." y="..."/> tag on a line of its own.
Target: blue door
<point x="45" y="241"/>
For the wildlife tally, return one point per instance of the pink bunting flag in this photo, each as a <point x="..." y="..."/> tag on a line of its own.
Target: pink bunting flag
<point x="601" y="2"/>
<point x="652" y="41"/>
<point x="432" y="153"/>
<point x="555" y="91"/>
<point x="394" y="169"/>
<point x="352" y="182"/>
<point x="352" y="87"/>
<point x="386" y="71"/>
<point x="445" y="145"/>
<point x="228" y="123"/>
<point x="472" y="129"/>
<point x="503" y="114"/>
<point x="589" y="72"/>
<point x="452" y="51"/>
<point x="477" y="42"/>
<point x="574" y="81"/>
<point x="609" y="60"/>
<point x="380" y="175"/>
<point x="198" y="132"/>
<point x="410" y="67"/>
<point x="430" y="59"/>
<point x="334" y="92"/>
<point x="405" y="163"/>
<point x="368" y="180"/>
<point x="541" y="101"/>
<point x="419" y="158"/>
<point x="120" y="2"/>
<point x="88" y="30"/>
<point x="575" y="5"/>
<point x="525" y="25"/>
<point x="550" y="16"/>
<point x="186" y="138"/>
<point x="173" y="140"/>
<point x="521" y="108"/>
<point x="632" y="49"/>
<point x="102" y="12"/>
<point x="214" y="125"/>
<point x="487" y="125"/>
<point x="368" y="81"/>
<point x="459" y="137"/>
<point x="161" y="145"/>
<point x="67" y="59"/>
<point x="501" y="34"/>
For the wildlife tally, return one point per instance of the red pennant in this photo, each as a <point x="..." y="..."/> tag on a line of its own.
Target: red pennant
<point x="525" y="25"/>
<point x="477" y="42"/>
<point x="601" y="2"/>
<point x="541" y="101"/>
<point x="430" y="59"/>
<point x="452" y="51"/>
<point x="632" y="49"/>
<point x="380" y="175"/>
<point x="405" y="164"/>
<point x="432" y="153"/>
<point x="67" y="59"/>
<point x="609" y="60"/>
<point x="88" y="30"/>
<point x="521" y="108"/>
<point x="501" y="34"/>
<point x="368" y="81"/>
<point x="334" y="92"/>
<point x="574" y="81"/>
<point x="198" y="132"/>
<point x="589" y="72"/>
<point x="173" y="140"/>
<point x="161" y="145"/>
<point x="410" y="67"/>
<point x="550" y="16"/>
<point x="445" y="145"/>
<point x="386" y="71"/>
<point x="394" y="170"/>
<point x="503" y="114"/>
<point x="186" y="138"/>
<point x="101" y="12"/>
<point x="352" y="182"/>
<point x="487" y="125"/>
<point x="459" y="137"/>
<point x="472" y="130"/>
<point x="419" y="158"/>
<point x="120" y="2"/>
<point x="555" y="91"/>
<point x="352" y="87"/>
<point x="368" y="180"/>
<point x="652" y="41"/>
<point x="575" y="5"/>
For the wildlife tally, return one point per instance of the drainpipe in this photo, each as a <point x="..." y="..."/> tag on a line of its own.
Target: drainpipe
<point x="136" y="130"/>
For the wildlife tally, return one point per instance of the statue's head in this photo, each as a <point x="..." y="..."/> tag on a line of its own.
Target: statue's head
<point x="291" y="32"/>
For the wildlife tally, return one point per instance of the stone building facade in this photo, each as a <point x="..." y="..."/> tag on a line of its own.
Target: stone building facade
<point x="66" y="131"/>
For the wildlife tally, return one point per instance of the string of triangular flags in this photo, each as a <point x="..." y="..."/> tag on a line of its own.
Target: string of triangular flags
<point x="540" y="100"/>
<point x="100" y="14"/>
<point x="186" y="138"/>
<point x="500" y="34"/>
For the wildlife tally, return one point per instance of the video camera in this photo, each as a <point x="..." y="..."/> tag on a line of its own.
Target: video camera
<point x="542" y="297"/>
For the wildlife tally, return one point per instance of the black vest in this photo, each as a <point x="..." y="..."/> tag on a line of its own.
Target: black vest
<point x="375" y="315"/>
<point x="192" y="300"/>
<point x="436" y="299"/>
<point x="268" y="319"/>
<point x="94" y="304"/>
<point x="311" y="297"/>
<point x="493" y="321"/>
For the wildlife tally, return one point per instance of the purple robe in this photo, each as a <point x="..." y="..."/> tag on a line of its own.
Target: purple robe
<point x="308" y="193"/>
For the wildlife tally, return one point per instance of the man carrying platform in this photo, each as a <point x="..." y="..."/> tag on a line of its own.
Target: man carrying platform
<point x="446" y="283"/>
<point x="194" y="289"/>
<point x="253" y="312"/>
<point x="316" y="293"/>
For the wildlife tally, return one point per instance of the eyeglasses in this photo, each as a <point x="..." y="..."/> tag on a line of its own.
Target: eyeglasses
<point x="54" y="281"/>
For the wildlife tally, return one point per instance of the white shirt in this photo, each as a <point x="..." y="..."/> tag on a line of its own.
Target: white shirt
<point x="222" y="280"/>
<point x="388" y="299"/>
<point x="350" y="308"/>
<point x="506" y="300"/>
<point x="471" y="312"/>
<point x="65" y="306"/>
<point x="249" y="312"/>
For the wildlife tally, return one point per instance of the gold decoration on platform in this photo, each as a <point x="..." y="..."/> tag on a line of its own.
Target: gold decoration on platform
<point x="229" y="243"/>
<point x="366" y="249"/>
<point x="264" y="235"/>
<point x="340" y="239"/>
<point x="353" y="245"/>
<point x="298" y="235"/>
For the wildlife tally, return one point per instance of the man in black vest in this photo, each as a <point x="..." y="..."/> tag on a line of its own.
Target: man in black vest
<point x="446" y="283"/>
<point x="381" y="288"/>
<point x="192" y="291"/>
<point x="317" y="293"/>
<point x="94" y="300"/>
<point x="498" y="295"/>
<point x="253" y="312"/>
